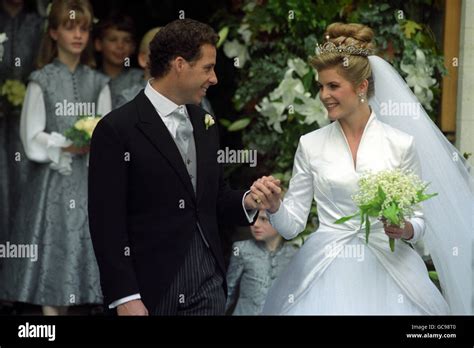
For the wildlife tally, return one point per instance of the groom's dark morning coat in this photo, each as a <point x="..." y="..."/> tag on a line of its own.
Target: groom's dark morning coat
<point x="142" y="207"/>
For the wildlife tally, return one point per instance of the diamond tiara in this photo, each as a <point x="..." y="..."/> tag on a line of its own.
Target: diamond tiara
<point x="329" y="47"/>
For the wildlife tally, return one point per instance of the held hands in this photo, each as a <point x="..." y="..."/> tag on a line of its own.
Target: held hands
<point x="396" y="232"/>
<point x="134" y="307"/>
<point x="265" y="194"/>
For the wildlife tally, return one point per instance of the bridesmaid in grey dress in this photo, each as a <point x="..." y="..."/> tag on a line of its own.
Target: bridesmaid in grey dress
<point x="23" y="30"/>
<point x="58" y="268"/>
<point x="254" y="265"/>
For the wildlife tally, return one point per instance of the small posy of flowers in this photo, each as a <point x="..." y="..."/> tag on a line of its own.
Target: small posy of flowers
<point x="391" y="195"/>
<point x="208" y="121"/>
<point x="14" y="92"/>
<point x="81" y="133"/>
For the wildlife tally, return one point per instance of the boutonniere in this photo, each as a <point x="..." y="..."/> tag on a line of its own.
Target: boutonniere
<point x="208" y="121"/>
<point x="3" y="38"/>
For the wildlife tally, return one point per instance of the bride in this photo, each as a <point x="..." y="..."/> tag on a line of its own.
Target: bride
<point x="335" y="271"/>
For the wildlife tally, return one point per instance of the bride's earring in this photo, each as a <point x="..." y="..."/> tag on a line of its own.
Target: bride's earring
<point x="362" y="97"/>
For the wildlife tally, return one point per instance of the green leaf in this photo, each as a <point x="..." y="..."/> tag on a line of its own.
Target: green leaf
<point x="239" y="125"/>
<point x="381" y="195"/>
<point x="308" y="80"/>
<point x="374" y="211"/>
<point x="391" y="242"/>
<point x="433" y="275"/>
<point x="391" y="214"/>
<point x="225" y="122"/>
<point x="410" y="27"/>
<point x="423" y="197"/>
<point x="222" y="36"/>
<point x="345" y="218"/>
<point x="367" y="228"/>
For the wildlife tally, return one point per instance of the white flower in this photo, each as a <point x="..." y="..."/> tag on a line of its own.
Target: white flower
<point x="313" y="109"/>
<point x="288" y="89"/>
<point x="298" y="65"/>
<point x="273" y="111"/>
<point x="3" y="38"/>
<point x="208" y="121"/>
<point x="419" y="77"/>
<point x="234" y="49"/>
<point x="245" y="33"/>
<point x="399" y="186"/>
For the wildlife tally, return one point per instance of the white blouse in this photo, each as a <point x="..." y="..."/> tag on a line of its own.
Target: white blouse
<point x="44" y="147"/>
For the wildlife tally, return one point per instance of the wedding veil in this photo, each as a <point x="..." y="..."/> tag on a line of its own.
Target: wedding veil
<point x="449" y="216"/>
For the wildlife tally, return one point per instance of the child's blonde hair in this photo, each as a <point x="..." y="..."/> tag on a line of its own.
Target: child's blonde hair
<point x="145" y="43"/>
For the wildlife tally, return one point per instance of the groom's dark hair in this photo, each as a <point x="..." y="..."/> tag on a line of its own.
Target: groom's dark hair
<point x="180" y="38"/>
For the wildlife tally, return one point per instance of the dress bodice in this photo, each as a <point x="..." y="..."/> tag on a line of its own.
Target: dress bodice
<point x="68" y="94"/>
<point x="331" y="164"/>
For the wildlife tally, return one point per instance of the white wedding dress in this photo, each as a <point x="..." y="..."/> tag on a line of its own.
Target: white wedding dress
<point x="335" y="271"/>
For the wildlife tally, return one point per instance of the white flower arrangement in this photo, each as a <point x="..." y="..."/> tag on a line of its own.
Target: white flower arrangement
<point x="81" y="133"/>
<point x="291" y="95"/>
<point x="235" y="49"/>
<point x="420" y="78"/>
<point x="391" y="194"/>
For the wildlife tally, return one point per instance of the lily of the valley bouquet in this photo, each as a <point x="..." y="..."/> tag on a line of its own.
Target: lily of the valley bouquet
<point x="81" y="133"/>
<point x="391" y="195"/>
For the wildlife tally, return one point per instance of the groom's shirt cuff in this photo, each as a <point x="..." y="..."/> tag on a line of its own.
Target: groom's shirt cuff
<point x="250" y="214"/>
<point x="124" y="300"/>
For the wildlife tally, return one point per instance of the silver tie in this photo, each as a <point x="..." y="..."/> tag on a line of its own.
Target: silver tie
<point x="185" y="142"/>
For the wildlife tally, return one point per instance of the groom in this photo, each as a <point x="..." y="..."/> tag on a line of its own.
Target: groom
<point x="156" y="191"/>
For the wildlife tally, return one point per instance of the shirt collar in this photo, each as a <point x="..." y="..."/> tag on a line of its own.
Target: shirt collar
<point x="164" y="106"/>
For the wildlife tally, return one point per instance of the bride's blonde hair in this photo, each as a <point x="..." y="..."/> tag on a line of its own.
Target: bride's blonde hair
<point x="353" y="67"/>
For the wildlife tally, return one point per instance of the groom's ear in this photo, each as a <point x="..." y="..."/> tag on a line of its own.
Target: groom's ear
<point x="179" y="64"/>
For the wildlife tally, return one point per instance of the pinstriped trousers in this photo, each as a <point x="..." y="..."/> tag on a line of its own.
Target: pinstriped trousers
<point x="197" y="288"/>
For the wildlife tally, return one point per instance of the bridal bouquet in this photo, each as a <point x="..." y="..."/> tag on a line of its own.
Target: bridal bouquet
<point x="81" y="133"/>
<point x="390" y="195"/>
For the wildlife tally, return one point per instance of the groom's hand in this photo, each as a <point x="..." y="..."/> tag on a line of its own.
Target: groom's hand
<point x="266" y="193"/>
<point x="134" y="307"/>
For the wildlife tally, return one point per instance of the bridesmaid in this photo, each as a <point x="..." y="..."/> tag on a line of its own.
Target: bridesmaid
<point x="53" y="218"/>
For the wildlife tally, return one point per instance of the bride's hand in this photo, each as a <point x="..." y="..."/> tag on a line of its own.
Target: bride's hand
<point x="266" y="192"/>
<point x="396" y="232"/>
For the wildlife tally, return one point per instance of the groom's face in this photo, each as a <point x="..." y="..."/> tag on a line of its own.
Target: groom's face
<point x="197" y="76"/>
